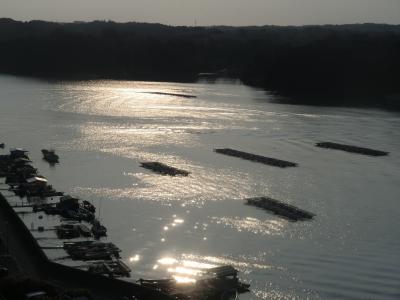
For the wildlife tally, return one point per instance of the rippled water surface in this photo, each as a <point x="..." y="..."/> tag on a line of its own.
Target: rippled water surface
<point x="177" y="226"/>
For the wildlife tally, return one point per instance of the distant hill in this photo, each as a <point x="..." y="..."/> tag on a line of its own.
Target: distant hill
<point x="357" y="61"/>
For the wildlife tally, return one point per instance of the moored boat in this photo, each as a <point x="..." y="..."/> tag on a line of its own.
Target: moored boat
<point x="50" y="156"/>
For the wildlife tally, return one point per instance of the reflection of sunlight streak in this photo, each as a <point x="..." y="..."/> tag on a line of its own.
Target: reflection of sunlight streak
<point x="183" y="270"/>
<point x="134" y="258"/>
<point x="194" y="190"/>
<point x="197" y="265"/>
<point x="225" y="261"/>
<point x="167" y="261"/>
<point x="122" y="99"/>
<point x="190" y="267"/>
<point x="132" y="122"/>
<point x="253" y="225"/>
<point x="182" y="279"/>
<point x="272" y="293"/>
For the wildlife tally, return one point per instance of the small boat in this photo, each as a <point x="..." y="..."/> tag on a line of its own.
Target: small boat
<point x="88" y="206"/>
<point x="89" y="250"/>
<point x="98" y="230"/>
<point x="84" y="230"/>
<point x="215" y="283"/>
<point x="50" y="156"/>
<point x="2" y="145"/>
<point x="113" y="269"/>
<point x="67" y="231"/>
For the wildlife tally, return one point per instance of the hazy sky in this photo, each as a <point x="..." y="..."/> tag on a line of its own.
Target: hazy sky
<point x="207" y="12"/>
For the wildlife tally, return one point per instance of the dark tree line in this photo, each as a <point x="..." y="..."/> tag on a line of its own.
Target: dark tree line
<point x="360" y="62"/>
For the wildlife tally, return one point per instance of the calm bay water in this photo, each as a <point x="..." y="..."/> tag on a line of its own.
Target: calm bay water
<point x="169" y="226"/>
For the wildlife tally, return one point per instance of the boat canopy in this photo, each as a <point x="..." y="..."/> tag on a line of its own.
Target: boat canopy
<point x="36" y="179"/>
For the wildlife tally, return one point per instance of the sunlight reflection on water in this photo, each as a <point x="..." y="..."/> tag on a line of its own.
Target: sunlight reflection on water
<point x="104" y="129"/>
<point x="253" y="225"/>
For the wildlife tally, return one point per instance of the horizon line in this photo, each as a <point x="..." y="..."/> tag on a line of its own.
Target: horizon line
<point x="194" y="26"/>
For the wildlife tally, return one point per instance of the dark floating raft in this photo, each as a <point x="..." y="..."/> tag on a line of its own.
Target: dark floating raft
<point x="285" y="210"/>
<point x="352" y="149"/>
<point x="50" y="156"/>
<point x="164" y="169"/>
<point x="173" y="94"/>
<point x="257" y="158"/>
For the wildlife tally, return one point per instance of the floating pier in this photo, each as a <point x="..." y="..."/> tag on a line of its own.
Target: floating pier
<point x="352" y="149"/>
<point x="256" y="158"/>
<point x="164" y="169"/>
<point x="279" y="208"/>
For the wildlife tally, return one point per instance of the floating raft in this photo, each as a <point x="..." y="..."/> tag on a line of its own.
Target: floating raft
<point x="173" y="94"/>
<point x="50" y="156"/>
<point x="164" y="169"/>
<point x="352" y="149"/>
<point x="257" y="158"/>
<point x="285" y="210"/>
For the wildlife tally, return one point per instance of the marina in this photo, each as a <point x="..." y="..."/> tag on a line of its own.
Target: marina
<point x="256" y="158"/>
<point x="26" y="182"/>
<point x="102" y="258"/>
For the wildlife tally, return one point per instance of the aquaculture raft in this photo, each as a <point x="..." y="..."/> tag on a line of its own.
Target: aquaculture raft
<point x="164" y="169"/>
<point x="279" y="208"/>
<point x="352" y="149"/>
<point x="50" y="156"/>
<point x="173" y="94"/>
<point x="256" y="158"/>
